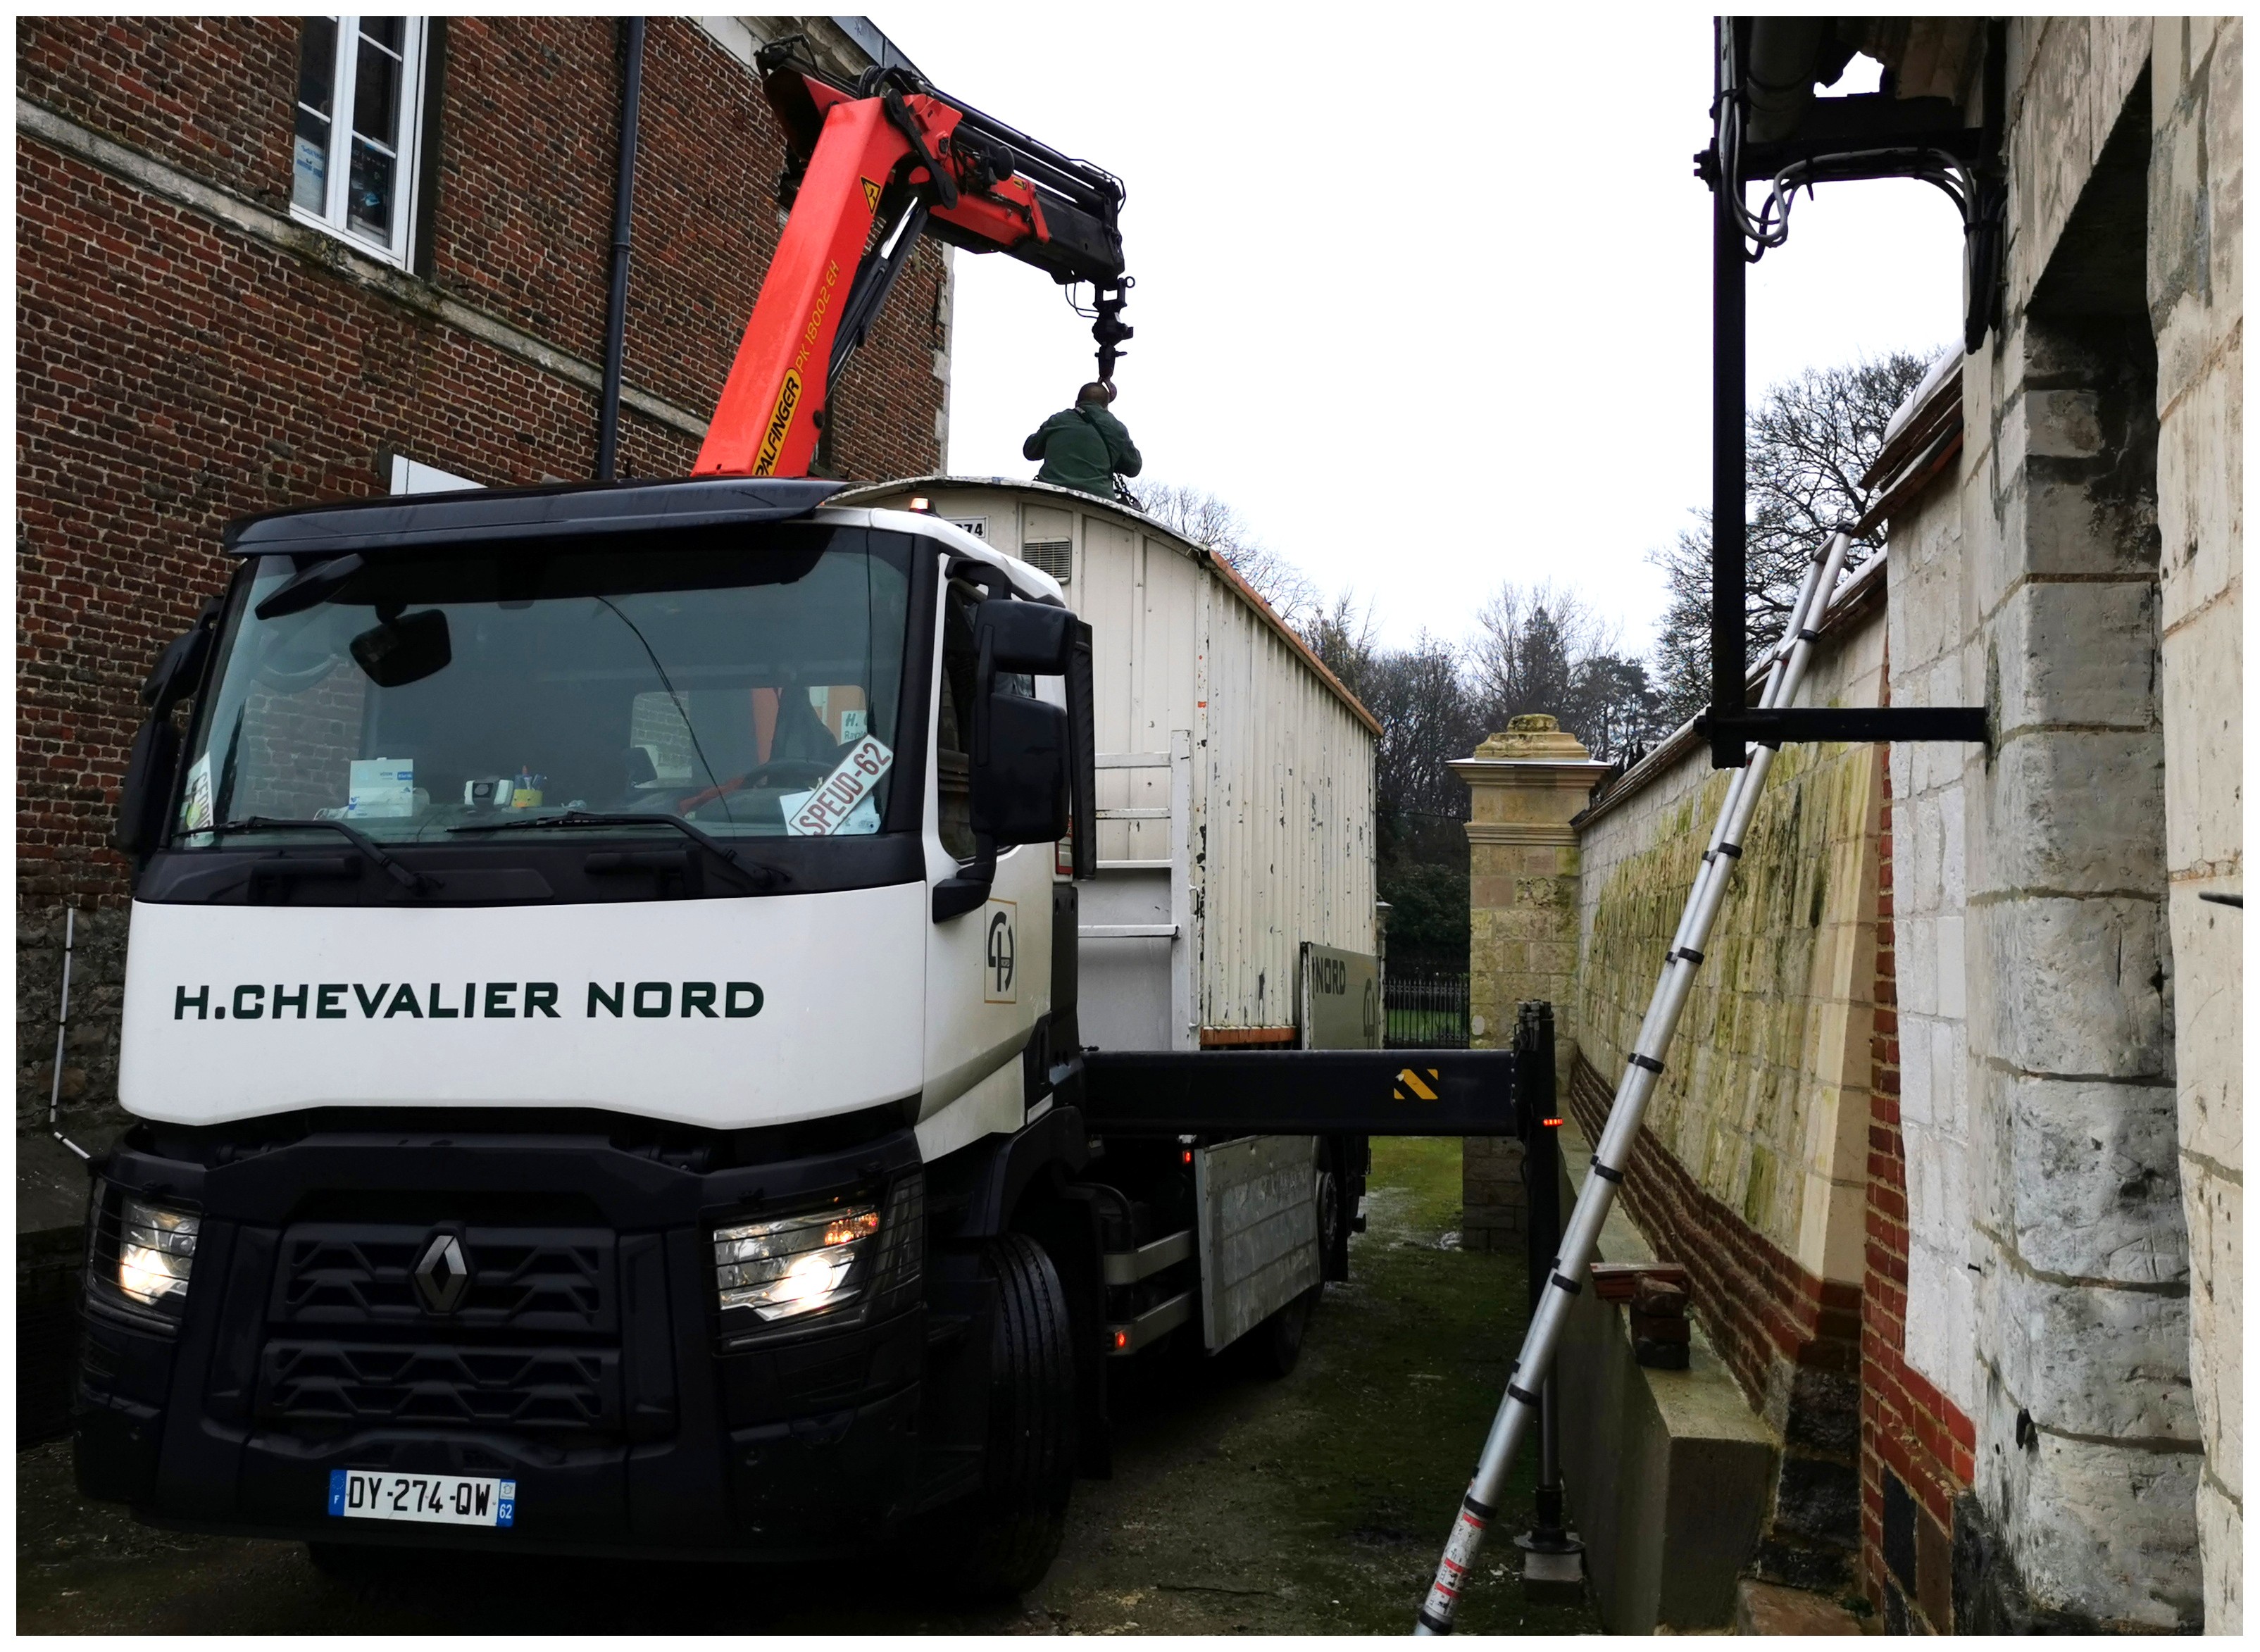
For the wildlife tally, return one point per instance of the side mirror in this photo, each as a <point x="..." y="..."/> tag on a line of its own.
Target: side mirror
<point x="156" y="751"/>
<point x="148" y="785"/>
<point x="1023" y="750"/>
<point x="1025" y="636"/>
<point x="1020" y="794"/>
<point x="182" y="665"/>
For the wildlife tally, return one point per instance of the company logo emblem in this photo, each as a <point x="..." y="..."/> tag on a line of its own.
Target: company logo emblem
<point x="1001" y="957"/>
<point x="442" y="1274"/>
<point x="871" y="193"/>
<point x="787" y="403"/>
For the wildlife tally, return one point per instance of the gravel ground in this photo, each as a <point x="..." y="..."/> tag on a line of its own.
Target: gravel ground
<point x="1314" y="1505"/>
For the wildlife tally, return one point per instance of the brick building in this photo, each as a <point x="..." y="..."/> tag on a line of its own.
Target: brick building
<point x="1951" y="1138"/>
<point x="264" y="261"/>
<point x="221" y="311"/>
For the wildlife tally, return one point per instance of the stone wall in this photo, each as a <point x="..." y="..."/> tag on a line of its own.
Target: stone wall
<point x="1524" y="784"/>
<point x="1765" y="1101"/>
<point x="2196" y="301"/>
<point x="1963" y="1064"/>
<point x="2034" y="969"/>
<point x="1752" y="1170"/>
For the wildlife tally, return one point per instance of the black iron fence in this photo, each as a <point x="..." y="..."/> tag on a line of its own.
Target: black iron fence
<point x="1425" y="1011"/>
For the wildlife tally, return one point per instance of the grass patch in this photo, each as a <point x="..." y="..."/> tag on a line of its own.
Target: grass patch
<point x="1406" y="1366"/>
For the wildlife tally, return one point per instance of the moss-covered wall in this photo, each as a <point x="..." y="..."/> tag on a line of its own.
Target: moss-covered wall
<point x="1764" y="1095"/>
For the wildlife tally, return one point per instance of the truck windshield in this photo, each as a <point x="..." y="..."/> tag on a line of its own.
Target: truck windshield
<point x="749" y="685"/>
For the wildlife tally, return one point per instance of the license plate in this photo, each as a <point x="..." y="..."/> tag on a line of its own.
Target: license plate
<point x="448" y="1499"/>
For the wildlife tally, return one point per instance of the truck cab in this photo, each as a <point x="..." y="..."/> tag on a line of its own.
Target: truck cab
<point x="599" y="1020"/>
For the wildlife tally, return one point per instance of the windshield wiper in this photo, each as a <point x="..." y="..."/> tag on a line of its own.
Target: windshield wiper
<point x="757" y="877"/>
<point x="415" y="883"/>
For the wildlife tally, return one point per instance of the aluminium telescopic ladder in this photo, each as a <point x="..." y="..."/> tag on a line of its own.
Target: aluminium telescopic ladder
<point x="1520" y="1409"/>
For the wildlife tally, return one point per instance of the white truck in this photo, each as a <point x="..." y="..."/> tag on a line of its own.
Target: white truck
<point x="607" y="1020"/>
<point x="602" y="1028"/>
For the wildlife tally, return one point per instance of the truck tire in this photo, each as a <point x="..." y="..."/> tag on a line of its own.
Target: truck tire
<point x="1276" y="1346"/>
<point x="1002" y="1539"/>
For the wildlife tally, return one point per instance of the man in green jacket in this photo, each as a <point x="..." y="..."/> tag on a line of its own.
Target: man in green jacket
<point x="1085" y="446"/>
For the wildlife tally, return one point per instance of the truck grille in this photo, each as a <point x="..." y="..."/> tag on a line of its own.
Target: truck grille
<point x="544" y="1281"/>
<point x="528" y="1338"/>
<point x="333" y="1386"/>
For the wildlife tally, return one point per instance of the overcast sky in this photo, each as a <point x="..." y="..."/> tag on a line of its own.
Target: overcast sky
<point x="1429" y="305"/>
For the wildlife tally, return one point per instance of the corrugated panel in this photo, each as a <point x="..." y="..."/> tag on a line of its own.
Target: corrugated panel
<point x="1284" y="783"/>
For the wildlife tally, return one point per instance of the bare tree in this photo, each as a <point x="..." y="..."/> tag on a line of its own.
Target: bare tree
<point x="1810" y="441"/>
<point x="1529" y="641"/>
<point x="1545" y="648"/>
<point x="1213" y="524"/>
<point x="1428" y="717"/>
<point x="1347" y="640"/>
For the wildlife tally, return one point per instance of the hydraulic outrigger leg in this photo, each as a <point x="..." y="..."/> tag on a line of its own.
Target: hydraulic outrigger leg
<point x="1527" y="1380"/>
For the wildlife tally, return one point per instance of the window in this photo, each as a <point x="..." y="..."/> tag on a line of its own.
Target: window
<point x="953" y="765"/>
<point x="361" y="84"/>
<point x="721" y="680"/>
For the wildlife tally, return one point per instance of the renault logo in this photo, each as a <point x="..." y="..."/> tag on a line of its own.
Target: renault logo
<point x="442" y="1273"/>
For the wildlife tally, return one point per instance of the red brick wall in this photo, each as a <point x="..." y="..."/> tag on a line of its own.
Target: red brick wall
<point x="1910" y="1433"/>
<point x="173" y="371"/>
<point x="1757" y="1304"/>
<point x="214" y="99"/>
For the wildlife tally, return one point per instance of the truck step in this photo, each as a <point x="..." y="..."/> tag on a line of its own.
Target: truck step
<point x="1128" y="1267"/>
<point x="1127" y="1337"/>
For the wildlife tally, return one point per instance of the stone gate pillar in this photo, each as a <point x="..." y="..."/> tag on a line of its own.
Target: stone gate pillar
<point x="1524" y="787"/>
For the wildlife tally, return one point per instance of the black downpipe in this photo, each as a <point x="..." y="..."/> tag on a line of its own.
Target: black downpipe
<point x="1730" y="480"/>
<point x="616" y="314"/>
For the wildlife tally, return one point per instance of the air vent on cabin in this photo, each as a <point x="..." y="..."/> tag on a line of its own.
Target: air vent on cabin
<point x="1047" y="541"/>
<point x="1056" y="557"/>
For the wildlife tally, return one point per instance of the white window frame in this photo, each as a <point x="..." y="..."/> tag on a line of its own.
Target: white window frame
<point x="334" y="216"/>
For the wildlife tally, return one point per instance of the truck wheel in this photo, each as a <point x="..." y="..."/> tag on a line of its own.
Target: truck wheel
<point x="1002" y="1540"/>
<point x="1276" y="1346"/>
<point x="1333" y="1219"/>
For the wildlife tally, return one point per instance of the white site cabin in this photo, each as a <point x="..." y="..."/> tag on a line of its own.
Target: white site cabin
<point x="1236" y="776"/>
<point x="1236" y="888"/>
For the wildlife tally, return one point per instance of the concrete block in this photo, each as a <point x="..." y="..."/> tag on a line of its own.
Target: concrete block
<point x="2062" y="424"/>
<point x="2202" y="668"/>
<point x="2091" y="1178"/>
<point x="1950" y="1061"/>
<point x="2213" y="1207"/>
<point x="2221" y="1545"/>
<point x="2076" y="811"/>
<point x="2200" y="473"/>
<point x="2069" y="986"/>
<point x="1941" y="1318"/>
<point x="2077" y="653"/>
<point x="1916" y="867"/>
<point x="2106" y="1531"/>
<point x="1916" y="952"/>
<point x="1668" y="1472"/>
<point x="1771" y="1609"/>
<point x="1953" y="872"/>
<point x="2067" y="533"/>
<point x="1948" y="965"/>
<point x="2095" y="1361"/>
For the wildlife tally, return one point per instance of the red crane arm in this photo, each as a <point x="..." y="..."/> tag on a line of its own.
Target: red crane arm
<point x="890" y="155"/>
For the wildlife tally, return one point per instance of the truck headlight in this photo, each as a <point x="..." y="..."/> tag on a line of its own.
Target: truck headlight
<point x="794" y="1264"/>
<point x="155" y="1251"/>
<point x="860" y="1255"/>
<point x="140" y="1253"/>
